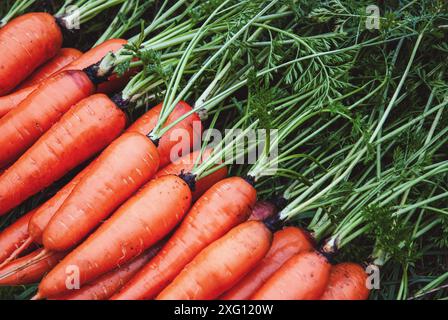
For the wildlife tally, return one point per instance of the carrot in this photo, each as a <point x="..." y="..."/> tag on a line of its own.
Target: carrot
<point x="22" y="126"/>
<point x="26" y="43"/>
<point x="347" y="282"/>
<point x="83" y="131"/>
<point x="64" y="57"/>
<point x="132" y="159"/>
<point x="225" y="205"/>
<point x="92" y="56"/>
<point x="138" y="224"/>
<point x="12" y="100"/>
<point x="116" y="83"/>
<point x="20" y="272"/>
<point x="302" y="277"/>
<point x="14" y="237"/>
<point x="170" y="145"/>
<point x="28" y="229"/>
<point x="109" y="183"/>
<point x="287" y="242"/>
<point x="109" y="283"/>
<point x="46" y="211"/>
<point x="263" y="210"/>
<point x="186" y="163"/>
<point x="39" y="218"/>
<point x="220" y="265"/>
<point x="95" y="54"/>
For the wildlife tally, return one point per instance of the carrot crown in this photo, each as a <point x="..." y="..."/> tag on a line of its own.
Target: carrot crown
<point x="189" y="178"/>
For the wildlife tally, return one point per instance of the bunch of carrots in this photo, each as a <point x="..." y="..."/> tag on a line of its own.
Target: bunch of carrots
<point x="111" y="187"/>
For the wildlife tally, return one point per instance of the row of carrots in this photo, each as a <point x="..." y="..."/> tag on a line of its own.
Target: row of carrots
<point x="248" y="262"/>
<point x="131" y="221"/>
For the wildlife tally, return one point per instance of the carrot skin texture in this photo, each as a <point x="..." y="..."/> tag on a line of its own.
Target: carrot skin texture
<point x="214" y="214"/>
<point x="84" y="130"/>
<point x="263" y="210"/>
<point x="10" y="274"/>
<point x="138" y="224"/>
<point x="26" y="43"/>
<point x="64" y="57"/>
<point x="286" y="243"/>
<point x="106" y="285"/>
<point x="14" y="235"/>
<point x="99" y="192"/>
<point x="12" y="100"/>
<point x="95" y="54"/>
<point x="220" y="265"/>
<point x="170" y="145"/>
<point x="46" y="211"/>
<point x="92" y="56"/>
<point x="302" y="277"/>
<point x="347" y="282"/>
<point x="24" y="125"/>
<point x="186" y="163"/>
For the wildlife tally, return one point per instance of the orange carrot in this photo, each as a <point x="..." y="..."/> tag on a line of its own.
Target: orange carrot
<point x="14" y="237"/>
<point x="46" y="211"/>
<point x="83" y="131"/>
<point x="22" y="126"/>
<point x="108" y="184"/>
<point x="109" y="283"/>
<point x="12" y="100"/>
<point x="64" y="57"/>
<point x="223" y="206"/>
<point x="116" y="83"/>
<point x="170" y="145"/>
<point x="302" y="277"/>
<point x="29" y="228"/>
<point x="347" y="282"/>
<point x="128" y="163"/>
<point x="95" y="54"/>
<point x="220" y="265"/>
<point x="263" y="210"/>
<point x="138" y="224"/>
<point x="26" y="43"/>
<point x="92" y="56"/>
<point x="19" y="272"/>
<point x="186" y="163"/>
<point x="287" y="242"/>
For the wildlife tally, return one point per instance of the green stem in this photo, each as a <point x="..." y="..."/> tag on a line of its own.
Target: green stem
<point x="171" y="101"/>
<point x="19" y="7"/>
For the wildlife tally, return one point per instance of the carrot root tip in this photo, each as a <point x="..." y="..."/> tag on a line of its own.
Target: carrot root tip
<point x="17" y="252"/>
